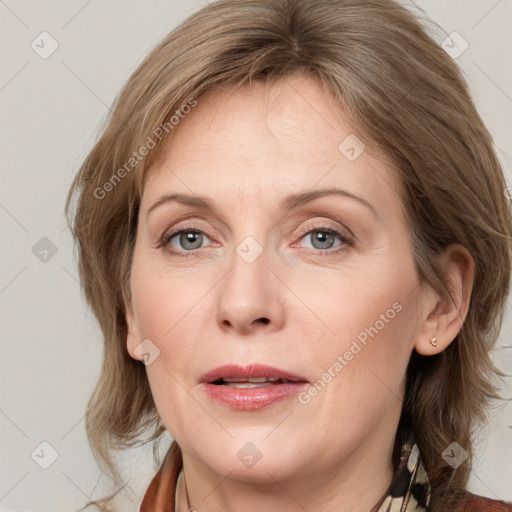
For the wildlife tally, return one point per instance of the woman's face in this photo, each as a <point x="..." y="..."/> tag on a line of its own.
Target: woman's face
<point x="322" y="287"/>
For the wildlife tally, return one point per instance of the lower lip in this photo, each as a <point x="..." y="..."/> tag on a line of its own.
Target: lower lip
<point x="253" y="398"/>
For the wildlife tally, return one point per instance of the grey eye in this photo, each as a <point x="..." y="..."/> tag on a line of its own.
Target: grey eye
<point x="321" y="239"/>
<point x="189" y="240"/>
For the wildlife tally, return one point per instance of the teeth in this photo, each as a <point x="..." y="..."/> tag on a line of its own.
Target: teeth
<point x="254" y="380"/>
<point x="248" y="384"/>
<point x="252" y="383"/>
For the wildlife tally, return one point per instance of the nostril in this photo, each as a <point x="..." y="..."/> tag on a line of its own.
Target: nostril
<point x="263" y="320"/>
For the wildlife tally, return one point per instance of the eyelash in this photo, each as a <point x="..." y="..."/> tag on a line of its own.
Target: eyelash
<point x="347" y="240"/>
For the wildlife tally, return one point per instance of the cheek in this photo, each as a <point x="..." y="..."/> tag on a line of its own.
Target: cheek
<point x="359" y="304"/>
<point x="360" y="370"/>
<point x="369" y="324"/>
<point x="169" y="307"/>
<point x="166" y="300"/>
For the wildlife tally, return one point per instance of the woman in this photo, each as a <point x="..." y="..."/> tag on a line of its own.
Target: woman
<point x="294" y="234"/>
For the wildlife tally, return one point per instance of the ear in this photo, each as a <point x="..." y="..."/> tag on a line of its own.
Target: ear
<point x="132" y="338"/>
<point x="444" y="314"/>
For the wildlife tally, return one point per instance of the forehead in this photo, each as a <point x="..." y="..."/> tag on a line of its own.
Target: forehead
<point x="263" y="140"/>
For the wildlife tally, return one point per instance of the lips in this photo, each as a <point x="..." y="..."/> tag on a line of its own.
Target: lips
<point x="252" y="386"/>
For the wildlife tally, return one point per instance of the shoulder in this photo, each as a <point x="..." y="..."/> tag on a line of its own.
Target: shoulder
<point x="468" y="502"/>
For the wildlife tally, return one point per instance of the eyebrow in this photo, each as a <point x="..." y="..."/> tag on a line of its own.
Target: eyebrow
<point x="290" y="202"/>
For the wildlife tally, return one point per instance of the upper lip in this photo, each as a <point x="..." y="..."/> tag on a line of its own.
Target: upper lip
<point x="249" y="371"/>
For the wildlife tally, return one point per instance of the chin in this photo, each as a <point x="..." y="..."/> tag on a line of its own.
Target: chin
<point x="252" y="458"/>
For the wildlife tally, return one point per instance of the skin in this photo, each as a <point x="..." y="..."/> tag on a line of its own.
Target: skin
<point x="205" y="310"/>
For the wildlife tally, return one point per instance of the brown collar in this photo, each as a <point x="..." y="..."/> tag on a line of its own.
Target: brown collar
<point x="161" y="492"/>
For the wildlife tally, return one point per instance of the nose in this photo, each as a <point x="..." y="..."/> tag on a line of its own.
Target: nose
<point x="250" y="297"/>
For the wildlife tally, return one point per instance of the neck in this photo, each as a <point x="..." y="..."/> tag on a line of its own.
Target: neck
<point x="355" y="484"/>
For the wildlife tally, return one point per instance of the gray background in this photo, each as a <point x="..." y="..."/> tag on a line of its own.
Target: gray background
<point x="51" y="110"/>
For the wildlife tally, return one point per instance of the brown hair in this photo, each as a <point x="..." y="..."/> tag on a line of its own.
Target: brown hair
<point x="403" y="96"/>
